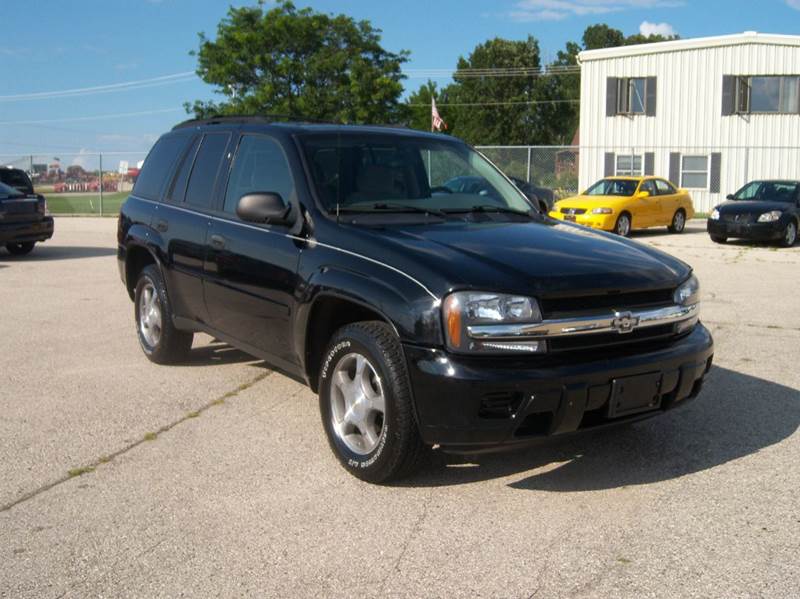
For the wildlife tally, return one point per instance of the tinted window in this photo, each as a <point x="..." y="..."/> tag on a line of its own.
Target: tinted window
<point x="16" y="178"/>
<point x="664" y="188"/>
<point x="200" y="191"/>
<point x="613" y="187"/>
<point x="177" y="190"/>
<point x="260" y="165"/>
<point x="649" y="187"/>
<point x="158" y="166"/>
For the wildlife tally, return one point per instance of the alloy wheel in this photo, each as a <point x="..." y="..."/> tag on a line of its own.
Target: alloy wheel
<point x="358" y="404"/>
<point x="679" y="221"/>
<point x="790" y="236"/>
<point x="150" y="315"/>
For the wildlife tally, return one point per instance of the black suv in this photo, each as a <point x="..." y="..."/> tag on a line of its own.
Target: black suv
<point x="23" y="214"/>
<point x="422" y="316"/>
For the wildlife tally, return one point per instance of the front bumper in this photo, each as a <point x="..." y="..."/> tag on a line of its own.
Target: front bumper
<point x="604" y="222"/>
<point x="21" y="232"/>
<point x="461" y="401"/>
<point x="755" y="231"/>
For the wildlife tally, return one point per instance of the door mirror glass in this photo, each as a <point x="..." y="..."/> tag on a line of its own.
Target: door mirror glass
<point x="262" y="207"/>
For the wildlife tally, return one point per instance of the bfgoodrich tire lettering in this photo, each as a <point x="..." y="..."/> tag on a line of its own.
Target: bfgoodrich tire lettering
<point x="160" y="341"/>
<point x="398" y="450"/>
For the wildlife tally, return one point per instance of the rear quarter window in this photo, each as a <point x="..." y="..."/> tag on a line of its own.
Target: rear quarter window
<point x="158" y="166"/>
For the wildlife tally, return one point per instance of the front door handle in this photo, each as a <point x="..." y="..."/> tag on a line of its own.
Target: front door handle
<point x="162" y="225"/>
<point x="218" y="242"/>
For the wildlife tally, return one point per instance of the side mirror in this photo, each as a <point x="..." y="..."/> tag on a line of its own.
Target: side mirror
<point x="262" y="207"/>
<point x="643" y="195"/>
<point x="730" y="196"/>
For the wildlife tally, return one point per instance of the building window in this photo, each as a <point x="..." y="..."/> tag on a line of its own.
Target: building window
<point x="629" y="165"/>
<point x="631" y="95"/>
<point x="694" y="172"/>
<point x="768" y="95"/>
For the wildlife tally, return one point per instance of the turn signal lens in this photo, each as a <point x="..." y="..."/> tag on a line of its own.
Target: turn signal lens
<point x="452" y="315"/>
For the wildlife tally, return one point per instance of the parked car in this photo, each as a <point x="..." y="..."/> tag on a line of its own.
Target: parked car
<point x="544" y="197"/>
<point x="761" y="210"/>
<point x="621" y="204"/>
<point x="16" y="178"/>
<point x="421" y="316"/>
<point x="23" y="220"/>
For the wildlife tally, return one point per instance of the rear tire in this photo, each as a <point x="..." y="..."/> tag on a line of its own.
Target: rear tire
<point x="623" y="225"/>
<point x="678" y="222"/>
<point x="718" y="238"/>
<point x="161" y="342"/>
<point x="789" y="235"/>
<point x="366" y="405"/>
<point x="20" y="249"/>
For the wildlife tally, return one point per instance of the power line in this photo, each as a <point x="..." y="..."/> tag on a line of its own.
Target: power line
<point x="184" y="77"/>
<point x="531" y="103"/>
<point x="93" y="118"/>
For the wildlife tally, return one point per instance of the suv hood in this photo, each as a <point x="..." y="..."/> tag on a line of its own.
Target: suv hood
<point x="546" y="259"/>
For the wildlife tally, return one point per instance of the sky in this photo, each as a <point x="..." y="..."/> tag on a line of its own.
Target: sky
<point x="52" y="46"/>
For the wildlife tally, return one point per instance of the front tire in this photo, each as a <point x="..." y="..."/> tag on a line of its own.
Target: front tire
<point x="20" y="249"/>
<point x="678" y="222"/>
<point x="623" y="225"/>
<point x="161" y="342"/>
<point x="366" y="405"/>
<point x="789" y="235"/>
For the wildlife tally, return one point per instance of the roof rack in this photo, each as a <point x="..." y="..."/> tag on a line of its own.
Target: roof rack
<point x="251" y="118"/>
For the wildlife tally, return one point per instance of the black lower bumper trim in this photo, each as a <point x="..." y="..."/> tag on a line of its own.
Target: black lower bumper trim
<point x="22" y="232"/>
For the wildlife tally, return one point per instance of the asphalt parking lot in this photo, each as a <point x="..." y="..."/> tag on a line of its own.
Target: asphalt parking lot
<point x="121" y="478"/>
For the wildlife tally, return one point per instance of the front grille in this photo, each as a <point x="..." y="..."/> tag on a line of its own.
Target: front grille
<point x="559" y="307"/>
<point x="573" y="211"/>
<point x="744" y="219"/>
<point x="584" y="342"/>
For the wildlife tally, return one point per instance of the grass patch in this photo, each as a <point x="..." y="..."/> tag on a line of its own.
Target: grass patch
<point x="192" y="414"/>
<point x="80" y="471"/>
<point x="150" y="436"/>
<point x="85" y="204"/>
<point x="104" y="459"/>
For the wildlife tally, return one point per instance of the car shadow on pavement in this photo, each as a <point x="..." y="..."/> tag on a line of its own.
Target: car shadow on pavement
<point x="59" y="252"/>
<point x="662" y="232"/>
<point x="216" y="353"/>
<point x="735" y="415"/>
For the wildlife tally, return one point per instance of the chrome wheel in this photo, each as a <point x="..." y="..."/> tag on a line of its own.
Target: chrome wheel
<point x="678" y="222"/>
<point x="790" y="236"/>
<point x="623" y="225"/>
<point x="150" y="315"/>
<point x="357" y="404"/>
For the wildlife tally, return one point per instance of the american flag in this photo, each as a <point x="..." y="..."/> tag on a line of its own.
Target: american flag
<point x="437" y="123"/>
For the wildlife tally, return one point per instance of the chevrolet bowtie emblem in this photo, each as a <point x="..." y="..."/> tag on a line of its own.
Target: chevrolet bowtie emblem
<point x="624" y="322"/>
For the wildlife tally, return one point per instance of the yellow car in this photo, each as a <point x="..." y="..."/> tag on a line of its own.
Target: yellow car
<point x="620" y="204"/>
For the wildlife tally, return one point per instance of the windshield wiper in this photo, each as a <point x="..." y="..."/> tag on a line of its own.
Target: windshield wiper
<point x="486" y="209"/>
<point x="394" y="207"/>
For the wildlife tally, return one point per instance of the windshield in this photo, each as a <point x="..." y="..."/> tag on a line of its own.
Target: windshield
<point x="394" y="173"/>
<point x="768" y="191"/>
<point x="15" y="178"/>
<point x="9" y="192"/>
<point x="613" y="187"/>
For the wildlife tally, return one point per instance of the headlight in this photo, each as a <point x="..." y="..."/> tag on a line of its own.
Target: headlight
<point x="714" y="214"/>
<point x="770" y="217"/>
<point x="465" y="310"/>
<point x="688" y="294"/>
<point x="602" y="211"/>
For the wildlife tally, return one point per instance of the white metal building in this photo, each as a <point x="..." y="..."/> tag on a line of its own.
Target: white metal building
<point x="708" y="113"/>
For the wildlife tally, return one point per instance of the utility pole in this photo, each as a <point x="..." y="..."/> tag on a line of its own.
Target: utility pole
<point x="101" y="184"/>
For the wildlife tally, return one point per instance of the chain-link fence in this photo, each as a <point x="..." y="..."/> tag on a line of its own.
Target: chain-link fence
<point x="94" y="183"/>
<point x="83" y="183"/>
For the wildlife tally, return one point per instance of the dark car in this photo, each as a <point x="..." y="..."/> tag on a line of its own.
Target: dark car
<point x="760" y="211"/>
<point x="545" y="197"/>
<point x="23" y="220"/>
<point x="422" y="315"/>
<point x="16" y="178"/>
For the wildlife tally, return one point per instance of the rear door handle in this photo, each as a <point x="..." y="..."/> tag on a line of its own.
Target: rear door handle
<point x="162" y="225"/>
<point x="218" y="242"/>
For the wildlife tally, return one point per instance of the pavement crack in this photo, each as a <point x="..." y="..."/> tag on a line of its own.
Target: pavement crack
<point x="147" y="437"/>
<point x="411" y="536"/>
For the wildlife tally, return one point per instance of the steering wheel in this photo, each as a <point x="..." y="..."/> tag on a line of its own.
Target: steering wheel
<point x="441" y="189"/>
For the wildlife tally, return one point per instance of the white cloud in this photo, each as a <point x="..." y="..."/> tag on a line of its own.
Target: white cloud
<point x="554" y="10"/>
<point x="647" y="28"/>
<point x="795" y="4"/>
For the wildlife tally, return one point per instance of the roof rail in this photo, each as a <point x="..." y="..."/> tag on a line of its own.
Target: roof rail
<point x="251" y="118"/>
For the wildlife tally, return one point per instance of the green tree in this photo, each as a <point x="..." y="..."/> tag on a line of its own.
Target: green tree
<point x="300" y="63"/>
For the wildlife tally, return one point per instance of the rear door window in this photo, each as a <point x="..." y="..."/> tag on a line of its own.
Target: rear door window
<point x="158" y="166"/>
<point x="664" y="188"/>
<point x="200" y="190"/>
